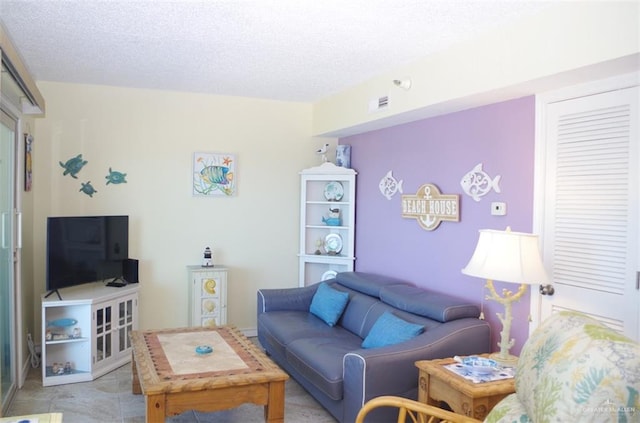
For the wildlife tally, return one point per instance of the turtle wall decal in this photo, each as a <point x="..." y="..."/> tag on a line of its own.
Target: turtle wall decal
<point x="73" y="166"/>
<point x="115" y="177"/>
<point x="88" y="189"/>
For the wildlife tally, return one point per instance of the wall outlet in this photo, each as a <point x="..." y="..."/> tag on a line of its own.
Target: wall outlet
<point x="498" y="209"/>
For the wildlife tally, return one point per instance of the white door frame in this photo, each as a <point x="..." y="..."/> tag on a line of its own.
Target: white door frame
<point x="18" y="167"/>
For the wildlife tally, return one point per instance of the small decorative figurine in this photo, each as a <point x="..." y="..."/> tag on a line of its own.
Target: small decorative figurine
<point x="322" y="151"/>
<point x="73" y="166"/>
<point x="334" y="217"/>
<point x="76" y="332"/>
<point x="207" y="261"/>
<point x="319" y="243"/>
<point x="115" y="177"/>
<point x="88" y="189"/>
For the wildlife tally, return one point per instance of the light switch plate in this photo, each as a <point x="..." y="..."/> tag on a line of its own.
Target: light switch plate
<point x="498" y="209"/>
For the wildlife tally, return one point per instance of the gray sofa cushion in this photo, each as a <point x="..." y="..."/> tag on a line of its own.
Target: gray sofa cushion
<point x="319" y="360"/>
<point x="367" y="283"/>
<point x="284" y="327"/>
<point x="436" y="306"/>
<point x="355" y="314"/>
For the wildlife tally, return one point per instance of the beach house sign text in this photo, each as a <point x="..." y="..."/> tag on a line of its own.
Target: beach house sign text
<point x="429" y="207"/>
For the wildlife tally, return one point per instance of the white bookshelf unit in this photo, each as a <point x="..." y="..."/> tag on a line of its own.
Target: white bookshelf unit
<point x="322" y="189"/>
<point x="86" y="333"/>
<point x="207" y="295"/>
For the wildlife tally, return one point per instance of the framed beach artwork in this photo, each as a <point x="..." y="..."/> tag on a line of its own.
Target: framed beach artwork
<point x="214" y="174"/>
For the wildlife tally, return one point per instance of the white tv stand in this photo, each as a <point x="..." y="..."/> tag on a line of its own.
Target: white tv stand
<point x="88" y="329"/>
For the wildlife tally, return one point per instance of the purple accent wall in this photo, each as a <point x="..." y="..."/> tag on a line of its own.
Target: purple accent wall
<point x="441" y="150"/>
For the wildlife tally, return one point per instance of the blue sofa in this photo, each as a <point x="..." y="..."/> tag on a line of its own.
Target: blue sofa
<point x="329" y="361"/>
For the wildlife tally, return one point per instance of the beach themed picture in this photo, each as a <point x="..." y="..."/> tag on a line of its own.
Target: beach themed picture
<point x="343" y="156"/>
<point x="214" y="174"/>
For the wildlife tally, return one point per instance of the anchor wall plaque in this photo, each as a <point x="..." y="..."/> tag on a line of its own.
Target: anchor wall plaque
<point x="429" y="207"/>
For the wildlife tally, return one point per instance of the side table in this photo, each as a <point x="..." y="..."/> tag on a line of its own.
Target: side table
<point x="438" y="384"/>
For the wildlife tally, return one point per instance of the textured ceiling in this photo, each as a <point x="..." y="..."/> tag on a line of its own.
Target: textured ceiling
<point x="293" y="50"/>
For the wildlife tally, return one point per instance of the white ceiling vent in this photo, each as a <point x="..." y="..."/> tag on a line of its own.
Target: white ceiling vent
<point x="377" y="104"/>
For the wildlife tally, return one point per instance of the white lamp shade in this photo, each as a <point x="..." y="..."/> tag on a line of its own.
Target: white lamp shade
<point x="507" y="256"/>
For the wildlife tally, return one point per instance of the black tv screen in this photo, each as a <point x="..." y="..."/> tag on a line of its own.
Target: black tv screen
<point x="85" y="249"/>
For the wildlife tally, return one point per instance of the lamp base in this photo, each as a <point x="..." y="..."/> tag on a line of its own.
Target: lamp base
<point x="507" y="360"/>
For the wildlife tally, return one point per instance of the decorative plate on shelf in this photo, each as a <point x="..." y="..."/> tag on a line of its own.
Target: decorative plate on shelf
<point x="329" y="274"/>
<point x="333" y="191"/>
<point x="333" y="244"/>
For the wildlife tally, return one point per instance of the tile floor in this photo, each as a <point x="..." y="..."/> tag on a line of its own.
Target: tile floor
<point x="109" y="399"/>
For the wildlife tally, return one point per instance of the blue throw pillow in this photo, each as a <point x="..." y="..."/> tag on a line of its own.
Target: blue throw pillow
<point x="390" y="330"/>
<point x="328" y="303"/>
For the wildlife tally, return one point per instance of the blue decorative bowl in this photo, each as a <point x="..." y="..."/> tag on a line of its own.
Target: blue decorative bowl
<point x="203" y="349"/>
<point x="479" y="365"/>
<point x="62" y="322"/>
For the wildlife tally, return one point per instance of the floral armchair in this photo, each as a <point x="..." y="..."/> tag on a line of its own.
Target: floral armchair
<point x="574" y="369"/>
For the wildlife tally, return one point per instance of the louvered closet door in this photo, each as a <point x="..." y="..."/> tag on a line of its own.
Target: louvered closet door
<point x="590" y="232"/>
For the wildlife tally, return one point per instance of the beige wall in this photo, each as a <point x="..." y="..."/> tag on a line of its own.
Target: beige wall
<point x="567" y="43"/>
<point x="152" y="135"/>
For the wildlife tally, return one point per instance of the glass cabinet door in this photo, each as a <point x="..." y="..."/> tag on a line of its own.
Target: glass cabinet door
<point x="125" y="324"/>
<point x="104" y="333"/>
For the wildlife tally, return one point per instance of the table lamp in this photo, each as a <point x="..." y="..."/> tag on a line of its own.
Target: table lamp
<point x="509" y="257"/>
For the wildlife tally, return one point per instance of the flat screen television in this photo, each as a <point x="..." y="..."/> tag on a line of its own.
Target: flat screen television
<point x="82" y="249"/>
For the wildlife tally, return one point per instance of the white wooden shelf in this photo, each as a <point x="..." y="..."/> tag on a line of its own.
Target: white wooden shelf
<point x="314" y="207"/>
<point x="105" y="316"/>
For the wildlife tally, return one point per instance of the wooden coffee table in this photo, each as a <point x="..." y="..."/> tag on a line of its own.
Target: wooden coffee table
<point x="437" y="384"/>
<point x="175" y="379"/>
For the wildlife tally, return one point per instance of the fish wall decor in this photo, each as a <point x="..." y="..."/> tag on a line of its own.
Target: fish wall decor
<point x="389" y="185"/>
<point x="477" y="183"/>
<point x="214" y="174"/>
